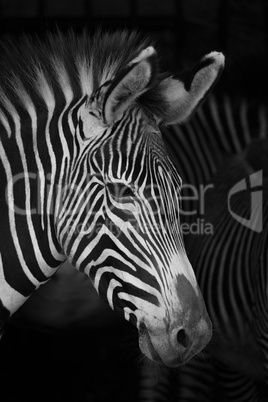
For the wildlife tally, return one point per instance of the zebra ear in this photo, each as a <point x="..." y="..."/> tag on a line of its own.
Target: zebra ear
<point x="183" y="95"/>
<point x="128" y="85"/>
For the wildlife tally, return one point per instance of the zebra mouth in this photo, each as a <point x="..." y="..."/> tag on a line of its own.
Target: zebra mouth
<point x="169" y="357"/>
<point x="146" y="345"/>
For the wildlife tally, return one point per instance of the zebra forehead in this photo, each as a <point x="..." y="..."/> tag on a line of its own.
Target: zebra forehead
<point x="84" y="62"/>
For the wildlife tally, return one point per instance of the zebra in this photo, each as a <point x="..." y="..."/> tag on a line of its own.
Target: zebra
<point x="222" y="127"/>
<point x="233" y="277"/>
<point x="230" y="263"/>
<point x="85" y="176"/>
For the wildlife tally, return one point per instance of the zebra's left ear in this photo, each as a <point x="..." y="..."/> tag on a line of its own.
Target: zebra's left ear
<point x="128" y="85"/>
<point x="183" y="95"/>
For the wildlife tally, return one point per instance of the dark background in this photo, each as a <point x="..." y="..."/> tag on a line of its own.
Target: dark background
<point x="49" y="351"/>
<point x="184" y="29"/>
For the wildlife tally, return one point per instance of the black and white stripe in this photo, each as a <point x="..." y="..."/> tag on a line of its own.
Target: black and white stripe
<point x="54" y="176"/>
<point x="85" y="175"/>
<point x="222" y="127"/>
<point x="227" y="139"/>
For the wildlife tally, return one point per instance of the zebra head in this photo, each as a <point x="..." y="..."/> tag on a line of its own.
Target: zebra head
<point x="121" y="225"/>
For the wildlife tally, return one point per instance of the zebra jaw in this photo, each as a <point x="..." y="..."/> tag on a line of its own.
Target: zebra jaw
<point x="146" y="345"/>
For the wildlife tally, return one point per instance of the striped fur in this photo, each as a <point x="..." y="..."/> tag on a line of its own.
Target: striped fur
<point x="85" y="175"/>
<point x="222" y="127"/>
<point x="227" y="139"/>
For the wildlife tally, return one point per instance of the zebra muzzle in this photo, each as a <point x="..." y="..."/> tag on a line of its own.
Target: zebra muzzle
<point x="176" y="347"/>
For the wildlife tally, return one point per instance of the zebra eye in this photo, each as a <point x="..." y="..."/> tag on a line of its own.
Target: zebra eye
<point x="120" y="191"/>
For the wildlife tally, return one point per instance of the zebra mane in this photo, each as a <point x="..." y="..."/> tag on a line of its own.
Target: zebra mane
<point x="34" y="69"/>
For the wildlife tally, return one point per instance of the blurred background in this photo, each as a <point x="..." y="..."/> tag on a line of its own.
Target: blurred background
<point x="183" y="29"/>
<point x="64" y="344"/>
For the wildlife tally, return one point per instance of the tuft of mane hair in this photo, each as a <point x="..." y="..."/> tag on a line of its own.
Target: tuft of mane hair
<point x="42" y="70"/>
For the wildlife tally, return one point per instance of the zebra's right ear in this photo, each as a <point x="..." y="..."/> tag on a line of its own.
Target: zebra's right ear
<point x="183" y="95"/>
<point x="107" y="104"/>
<point x="128" y="85"/>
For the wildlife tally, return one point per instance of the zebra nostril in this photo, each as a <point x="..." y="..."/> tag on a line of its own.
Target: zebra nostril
<point x="182" y="338"/>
